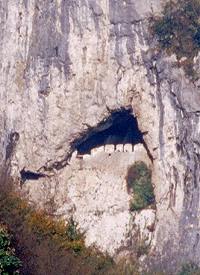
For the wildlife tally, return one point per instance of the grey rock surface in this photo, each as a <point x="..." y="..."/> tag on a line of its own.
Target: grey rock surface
<point x="64" y="67"/>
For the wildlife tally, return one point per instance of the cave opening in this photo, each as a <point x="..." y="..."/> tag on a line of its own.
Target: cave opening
<point x="29" y="175"/>
<point x="120" y="128"/>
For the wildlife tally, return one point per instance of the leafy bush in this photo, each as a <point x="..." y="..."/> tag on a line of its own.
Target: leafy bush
<point x="178" y="31"/>
<point x="9" y="263"/>
<point x="139" y="183"/>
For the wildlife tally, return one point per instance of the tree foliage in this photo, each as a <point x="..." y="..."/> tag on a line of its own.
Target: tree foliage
<point x="9" y="263"/>
<point x="139" y="183"/>
<point x="178" y="31"/>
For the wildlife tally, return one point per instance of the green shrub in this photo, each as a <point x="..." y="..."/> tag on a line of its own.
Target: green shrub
<point x="9" y="263"/>
<point x="178" y="31"/>
<point x="139" y="183"/>
<point x="72" y="232"/>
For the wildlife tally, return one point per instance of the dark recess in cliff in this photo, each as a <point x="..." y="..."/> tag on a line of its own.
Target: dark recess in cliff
<point x="120" y="128"/>
<point x="29" y="175"/>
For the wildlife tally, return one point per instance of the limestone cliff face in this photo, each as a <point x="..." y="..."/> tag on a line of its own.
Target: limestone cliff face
<point x="65" y="67"/>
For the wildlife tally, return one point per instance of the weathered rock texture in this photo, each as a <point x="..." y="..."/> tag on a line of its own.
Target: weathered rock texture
<point x="65" y="66"/>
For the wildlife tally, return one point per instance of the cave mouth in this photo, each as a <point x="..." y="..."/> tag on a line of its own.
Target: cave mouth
<point x="120" y="127"/>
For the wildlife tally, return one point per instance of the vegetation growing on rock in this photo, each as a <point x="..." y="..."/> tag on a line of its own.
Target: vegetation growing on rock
<point x="178" y="32"/>
<point x="46" y="246"/>
<point x="9" y="263"/>
<point x="139" y="183"/>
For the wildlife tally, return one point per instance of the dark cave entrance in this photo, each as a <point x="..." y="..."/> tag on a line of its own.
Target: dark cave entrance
<point x="120" y="128"/>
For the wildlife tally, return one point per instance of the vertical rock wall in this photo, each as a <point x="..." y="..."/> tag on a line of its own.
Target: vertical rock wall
<point x="64" y="67"/>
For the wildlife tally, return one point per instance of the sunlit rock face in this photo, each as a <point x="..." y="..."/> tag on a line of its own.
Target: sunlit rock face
<point x="101" y="202"/>
<point x="65" y="67"/>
